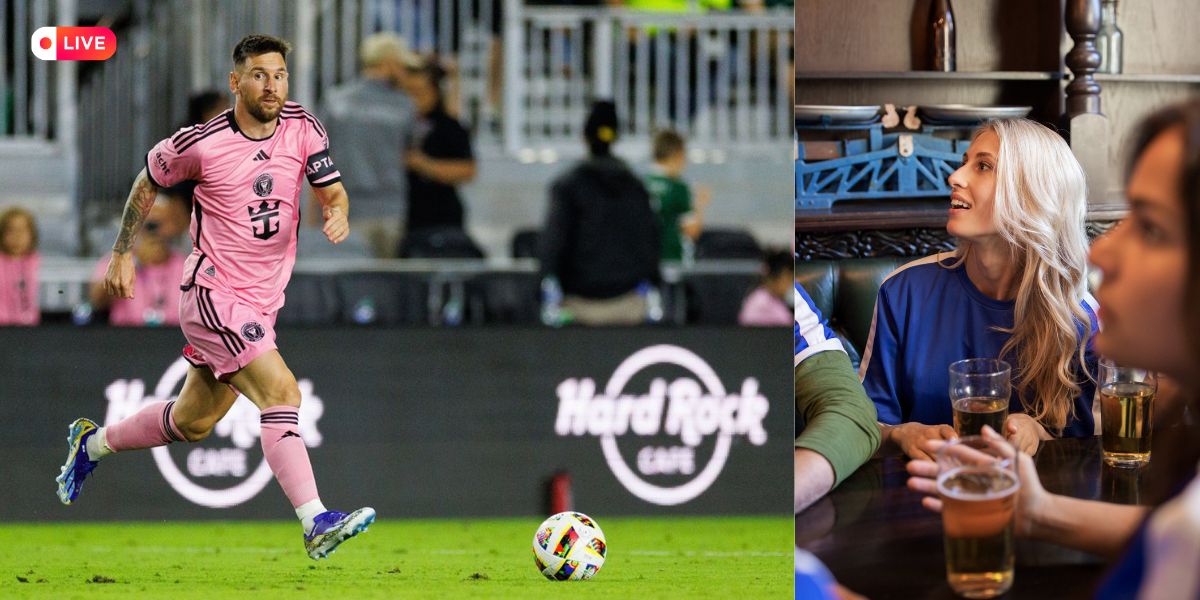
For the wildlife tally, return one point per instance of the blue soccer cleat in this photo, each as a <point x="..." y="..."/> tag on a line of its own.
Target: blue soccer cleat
<point x="331" y="528"/>
<point x="78" y="465"/>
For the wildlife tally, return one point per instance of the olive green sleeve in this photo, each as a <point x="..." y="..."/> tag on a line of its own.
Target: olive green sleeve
<point x="839" y="419"/>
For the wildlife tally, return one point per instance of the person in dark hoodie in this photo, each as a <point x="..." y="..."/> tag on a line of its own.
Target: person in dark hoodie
<point x="600" y="241"/>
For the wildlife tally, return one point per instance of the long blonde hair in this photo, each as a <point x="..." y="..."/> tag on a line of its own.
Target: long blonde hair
<point x="1040" y="210"/>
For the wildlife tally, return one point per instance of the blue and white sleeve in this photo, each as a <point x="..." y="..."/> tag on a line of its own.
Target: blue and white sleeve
<point x="812" y="334"/>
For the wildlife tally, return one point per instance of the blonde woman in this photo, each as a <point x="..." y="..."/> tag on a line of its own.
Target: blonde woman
<point x="1013" y="289"/>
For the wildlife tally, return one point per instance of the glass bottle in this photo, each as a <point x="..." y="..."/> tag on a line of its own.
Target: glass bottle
<point x="941" y="36"/>
<point x="1109" y="39"/>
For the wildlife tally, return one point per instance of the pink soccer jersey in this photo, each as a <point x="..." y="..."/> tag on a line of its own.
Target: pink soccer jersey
<point x="19" y="289"/>
<point x="247" y="201"/>
<point x="155" y="298"/>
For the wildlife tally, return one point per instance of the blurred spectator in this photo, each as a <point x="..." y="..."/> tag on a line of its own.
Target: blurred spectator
<point x="767" y="305"/>
<point x="758" y="6"/>
<point x="19" y="263"/>
<point x="156" y="287"/>
<point x="673" y="5"/>
<point x="678" y="218"/>
<point x="600" y="240"/>
<point x="205" y="105"/>
<point x="177" y="216"/>
<point x="439" y="156"/>
<point x="368" y="120"/>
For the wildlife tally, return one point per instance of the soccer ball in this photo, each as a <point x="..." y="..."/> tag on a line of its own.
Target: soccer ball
<point x="569" y="545"/>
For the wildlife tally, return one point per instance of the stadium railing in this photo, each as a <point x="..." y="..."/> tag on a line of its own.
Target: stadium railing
<point x="720" y="78"/>
<point x="453" y="292"/>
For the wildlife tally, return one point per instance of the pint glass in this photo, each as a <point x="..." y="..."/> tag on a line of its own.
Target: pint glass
<point x="1126" y="410"/>
<point x="978" y="488"/>
<point x="979" y="393"/>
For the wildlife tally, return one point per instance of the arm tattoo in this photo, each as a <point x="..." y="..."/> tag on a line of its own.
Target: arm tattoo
<point x="141" y="198"/>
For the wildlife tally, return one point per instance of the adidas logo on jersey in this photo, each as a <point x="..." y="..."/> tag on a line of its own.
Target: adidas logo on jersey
<point x="261" y="156"/>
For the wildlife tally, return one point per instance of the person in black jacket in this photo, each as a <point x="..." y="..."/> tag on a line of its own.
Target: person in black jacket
<point x="601" y="239"/>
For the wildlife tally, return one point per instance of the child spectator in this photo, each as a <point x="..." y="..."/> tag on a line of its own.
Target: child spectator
<point x="19" y="262"/>
<point x="672" y="200"/>
<point x="156" y="291"/>
<point x="767" y="305"/>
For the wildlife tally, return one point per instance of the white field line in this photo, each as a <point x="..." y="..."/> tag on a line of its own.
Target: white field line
<point x="708" y="553"/>
<point x="437" y="551"/>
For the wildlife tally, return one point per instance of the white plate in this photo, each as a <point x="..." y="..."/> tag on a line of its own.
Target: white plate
<point x="966" y="113"/>
<point x="813" y="113"/>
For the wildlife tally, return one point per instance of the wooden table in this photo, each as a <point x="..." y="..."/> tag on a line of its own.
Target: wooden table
<point x="877" y="539"/>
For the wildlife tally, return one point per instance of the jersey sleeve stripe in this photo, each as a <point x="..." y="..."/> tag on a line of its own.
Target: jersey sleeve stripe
<point x="307" y="117"/>
<point x="206" y="134"/>
<point x="328" y="182"/>
<point x="298" y="110"/>
<point x="196" y="129"/>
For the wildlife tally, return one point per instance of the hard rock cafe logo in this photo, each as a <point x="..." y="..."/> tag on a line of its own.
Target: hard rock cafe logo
<point x="238" y="430"/>
<point x="694" y="408"/>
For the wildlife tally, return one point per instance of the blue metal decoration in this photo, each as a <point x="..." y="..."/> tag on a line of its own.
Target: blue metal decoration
<point x="892" y="165"/>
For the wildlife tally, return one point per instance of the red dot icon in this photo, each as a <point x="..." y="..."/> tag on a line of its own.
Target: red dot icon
<point x="45" y="43"/>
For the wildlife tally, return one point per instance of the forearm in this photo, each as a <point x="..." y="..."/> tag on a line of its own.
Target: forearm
<point x="813" y="477"/>
<point x="137" y="206"/>
<point x="840" y="420"/>
<point x="885" y="434"/>
<point x="1097" y="527"/>
<point x="338" y="199"/>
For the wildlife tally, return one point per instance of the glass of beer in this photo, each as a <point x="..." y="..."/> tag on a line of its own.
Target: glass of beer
<point x="1126" y="409"/>
<point x="978" y="487"/>
<point x="979" y="393"/>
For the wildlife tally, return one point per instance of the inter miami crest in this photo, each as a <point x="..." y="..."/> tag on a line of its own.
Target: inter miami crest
<point x="263" y="185"/>
<point x="253" y="332"/>
<point x="262" y="216"/>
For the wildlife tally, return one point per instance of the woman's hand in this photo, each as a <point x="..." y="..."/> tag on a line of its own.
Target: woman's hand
<point x="910" y="437"/>
<point x="1032" y="501"/>
<point x="1024" y="432"/>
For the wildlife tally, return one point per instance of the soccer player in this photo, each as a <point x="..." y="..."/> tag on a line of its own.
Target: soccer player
<point x="248" y="163"/>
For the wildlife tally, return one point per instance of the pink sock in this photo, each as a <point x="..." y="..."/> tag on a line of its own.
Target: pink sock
<point x="286" y="453"/>
<point x="149" y="427"/>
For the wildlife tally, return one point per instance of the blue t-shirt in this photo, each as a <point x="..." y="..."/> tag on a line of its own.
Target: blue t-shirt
<point x="928" y="316"/>
<point x="813" y="581"/>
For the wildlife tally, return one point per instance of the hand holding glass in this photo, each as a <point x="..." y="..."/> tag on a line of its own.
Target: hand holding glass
<point x="978" y="485"/>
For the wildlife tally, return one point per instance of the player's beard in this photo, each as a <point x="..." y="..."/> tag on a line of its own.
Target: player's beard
<point x="262" y="113"/>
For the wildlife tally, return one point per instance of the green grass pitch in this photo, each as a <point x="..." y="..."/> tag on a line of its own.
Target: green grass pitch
<point x="651" y="557"/>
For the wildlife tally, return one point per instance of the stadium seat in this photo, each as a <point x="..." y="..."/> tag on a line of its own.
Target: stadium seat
<point x="504" y="298"/>
<point x="525" y="243"/>
<point x="439" y="242"/>
<point x="310" y="300"/>
<point x="383" y="298"/>
<point x="727" y="243"/>
<point x="716" y="299"/>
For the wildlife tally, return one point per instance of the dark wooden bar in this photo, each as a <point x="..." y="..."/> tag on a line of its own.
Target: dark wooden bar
<point x="877" y="539"/>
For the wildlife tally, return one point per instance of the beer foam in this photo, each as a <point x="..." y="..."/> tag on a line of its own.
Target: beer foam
<point x="994" y="487"/>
